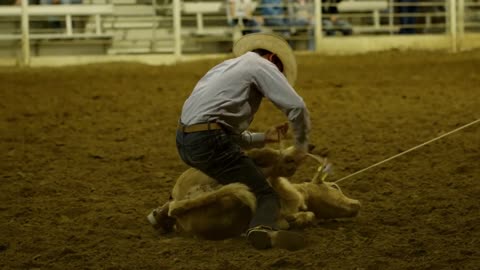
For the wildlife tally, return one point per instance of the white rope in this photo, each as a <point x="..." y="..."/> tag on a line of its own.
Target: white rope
<point x="409" y="150"/>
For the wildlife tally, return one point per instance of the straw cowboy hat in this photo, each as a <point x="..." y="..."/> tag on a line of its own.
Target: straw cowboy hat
<point x="274" y="44"/>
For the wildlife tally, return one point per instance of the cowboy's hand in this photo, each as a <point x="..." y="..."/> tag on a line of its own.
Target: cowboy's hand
<point x="275" y="133"/>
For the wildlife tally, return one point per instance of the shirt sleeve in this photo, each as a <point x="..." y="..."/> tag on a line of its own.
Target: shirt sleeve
<point x="274" y="86"/>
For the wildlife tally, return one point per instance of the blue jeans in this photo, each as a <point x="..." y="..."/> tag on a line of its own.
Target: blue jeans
<point x="215" y="153"/>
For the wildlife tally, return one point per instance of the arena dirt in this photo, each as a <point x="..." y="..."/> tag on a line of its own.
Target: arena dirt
<point x="88" y="151"/>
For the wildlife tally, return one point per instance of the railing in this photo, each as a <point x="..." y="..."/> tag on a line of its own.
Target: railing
<point x="180" y="27"/>
<point x="64" y="13"/>
<point x="450" y="18"/>
<point x="62" y="19"/>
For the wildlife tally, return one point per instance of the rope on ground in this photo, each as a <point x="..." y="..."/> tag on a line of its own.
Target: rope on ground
<point x="409" y="150"/>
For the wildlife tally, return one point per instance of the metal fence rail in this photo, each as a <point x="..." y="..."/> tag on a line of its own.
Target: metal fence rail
<point x="181" y="27"/>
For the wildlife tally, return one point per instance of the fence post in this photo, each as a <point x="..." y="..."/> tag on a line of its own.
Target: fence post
<point x="153" y="43"/>
<point x="25" y="61"/>
<point x="461" y="22"/>
<point x="98" y="24"/>
<point x="68" y="24"/>
<point x="453" y="24"/>
<point x="391" y="11"/>
<point x="177" y="28"/>
<point x="318" y="24"/>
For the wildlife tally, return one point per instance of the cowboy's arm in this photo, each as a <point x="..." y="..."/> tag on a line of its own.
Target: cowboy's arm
<point x="274" y="86"/>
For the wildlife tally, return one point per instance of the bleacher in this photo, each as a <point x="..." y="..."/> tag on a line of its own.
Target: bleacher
<point x="133" y="27"/>
<point x="147" y="27"/>
<point x="143" y="26"/>
<point x="373" y="9"/>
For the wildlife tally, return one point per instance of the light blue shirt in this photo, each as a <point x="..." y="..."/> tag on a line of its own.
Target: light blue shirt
<point x="272" y="7"/>
<point x="231" y="93"/>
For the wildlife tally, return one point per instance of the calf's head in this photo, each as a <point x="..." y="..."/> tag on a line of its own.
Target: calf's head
<point x="327" y="200"/>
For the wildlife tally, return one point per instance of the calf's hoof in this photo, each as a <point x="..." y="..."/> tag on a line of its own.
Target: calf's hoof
<point x="160" y="220"/>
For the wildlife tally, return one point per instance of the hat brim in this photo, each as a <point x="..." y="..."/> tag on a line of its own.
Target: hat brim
<point x="274" y="44"/>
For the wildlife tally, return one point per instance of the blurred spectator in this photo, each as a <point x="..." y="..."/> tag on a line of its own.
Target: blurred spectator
<point x="273" y="12"/>
<point x="301" y="12"/>
<point x="240" y="13"/>
<point x="302" y="15"/>
<point x="331" y="23"/>
<point x="406" y="20"/>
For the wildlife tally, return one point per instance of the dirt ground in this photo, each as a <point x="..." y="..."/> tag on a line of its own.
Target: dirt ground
<point x="88" y="151"/>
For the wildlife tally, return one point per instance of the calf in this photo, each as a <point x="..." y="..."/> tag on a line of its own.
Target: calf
<point x="202" y="207"/>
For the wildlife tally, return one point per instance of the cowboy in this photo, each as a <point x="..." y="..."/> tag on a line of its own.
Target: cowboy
<point x="214" y="119"/>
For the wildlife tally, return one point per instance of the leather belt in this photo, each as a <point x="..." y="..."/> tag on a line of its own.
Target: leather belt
<point x="199" y="127"/>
